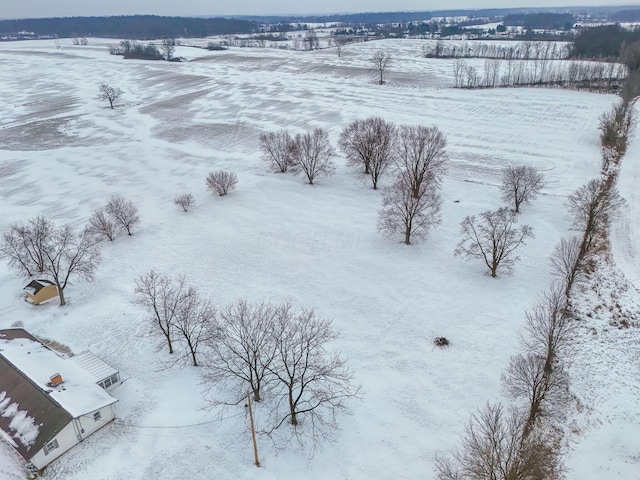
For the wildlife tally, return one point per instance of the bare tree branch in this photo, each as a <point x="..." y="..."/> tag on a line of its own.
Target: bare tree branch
<point x="369" y="143"/>
<point x="313" y="153"/>
<point x="493" y="238"/>
<point x="420" y="156"/>
<point x="403" y="214"/>
<point x="520" y="184"/>
<point x="123" y="212"/>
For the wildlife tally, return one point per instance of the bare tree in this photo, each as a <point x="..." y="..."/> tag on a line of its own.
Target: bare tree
<point x="420" y="156"/>
<point x="591" y="208"/>
<point x="340" y="42"/>
<point x="242" y="346"/>
<point x="314" y="383"/>
<point x="494" y="447"/>
<point x="68" y="254"/>
<point x="222" y="182"/>
<point x="168" y="47"/>
<point x="543" y="391"/>
<point x="162" y="298"/>
<point x="313" y="153"/>
<point x="403" y="214"/>
<point x="615" y="127"/>
<point x="380" y="62"/>
<point x="311" y="40"/>
<point x="493" y="238"/>
<point x="101" y="224"/>
<point x="107" y="92"/>
<point x="549" y="328"/>
<point x="369" y="143"/>
<point x="23" y="246"/>
<point x="184" y="201"/>
<point x="520" y="184"/>
<point x="193" y="317"/>
<point x="123" y="212"/>
<point x="566" y="262"/>
<point x="277" y="149"/>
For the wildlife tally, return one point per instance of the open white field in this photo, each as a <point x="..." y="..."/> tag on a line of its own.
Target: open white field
<point x="63" y="152"/>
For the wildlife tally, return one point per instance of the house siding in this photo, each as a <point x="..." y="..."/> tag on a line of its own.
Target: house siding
<point x="76" y="431"/>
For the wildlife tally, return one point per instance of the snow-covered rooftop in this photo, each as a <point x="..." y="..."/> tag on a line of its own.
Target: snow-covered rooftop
<point x="78" y="395"/>
<point x="97" y="368"/>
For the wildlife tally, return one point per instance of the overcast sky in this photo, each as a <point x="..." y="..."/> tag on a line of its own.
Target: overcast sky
<point x="69" y="8"/>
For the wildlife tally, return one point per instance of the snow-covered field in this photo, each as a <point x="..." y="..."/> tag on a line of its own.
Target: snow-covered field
<point x="63" y="152"/>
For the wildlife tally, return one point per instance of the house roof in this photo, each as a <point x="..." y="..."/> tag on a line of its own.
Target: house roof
<point x="43" y="418"/>
<point x="31" y="413"/>
<point x="94" y="366"/>
<point x="36" y="285"/>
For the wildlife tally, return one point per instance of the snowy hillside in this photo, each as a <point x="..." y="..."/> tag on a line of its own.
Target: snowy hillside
<point x="63" y="152"/>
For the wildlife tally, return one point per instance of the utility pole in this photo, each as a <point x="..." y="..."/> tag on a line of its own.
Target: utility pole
<point x="253" y="430"/>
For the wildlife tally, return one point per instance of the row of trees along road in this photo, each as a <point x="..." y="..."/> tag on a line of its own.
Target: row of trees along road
<point x="522" y="442"/>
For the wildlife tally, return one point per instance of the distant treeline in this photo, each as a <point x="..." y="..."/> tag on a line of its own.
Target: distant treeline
<point x="141" y="27"/>
<point x="626" y="16"/>
<point x="608" y="41"/>
<point x="541" y="21"/>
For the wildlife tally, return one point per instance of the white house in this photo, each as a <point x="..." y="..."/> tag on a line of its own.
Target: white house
<point x="48" y="403"/>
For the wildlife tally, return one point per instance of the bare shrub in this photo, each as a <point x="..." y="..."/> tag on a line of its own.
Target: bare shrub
<point x="101" y="224"/>
<point x="520" y="184"/>
<point x="123" y="212"/>
<point x="313" y="153"/>
<point x="493" y="238"/>
<point x="403" y="214"/>
<point x="495" y="447"/>
<point x="420" y="156"/>
<point x="185" y="201"/>
<point x="222" y="182"/>
<point x="277" y="149"/>
<point x="369" y="143"/>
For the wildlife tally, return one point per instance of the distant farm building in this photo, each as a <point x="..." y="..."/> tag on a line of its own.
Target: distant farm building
<point x="40" y="290"/>
<point x="49" y="403"/>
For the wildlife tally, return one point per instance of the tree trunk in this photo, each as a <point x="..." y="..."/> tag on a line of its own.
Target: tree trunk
<point x="63" y="302"/>
<point x="292" y="410"/>
<point x="169" y="343"/>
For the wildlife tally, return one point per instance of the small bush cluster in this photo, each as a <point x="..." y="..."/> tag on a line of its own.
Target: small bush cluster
<point x="222" y="182"/>
<point x="119" y="214"/>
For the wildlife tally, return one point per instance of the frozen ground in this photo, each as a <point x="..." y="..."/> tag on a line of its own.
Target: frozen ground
<point x="63" y="152"/>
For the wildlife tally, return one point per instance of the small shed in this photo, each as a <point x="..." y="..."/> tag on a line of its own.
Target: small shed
<point x="40" y="290"/>
<point x="101" y="372"/>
